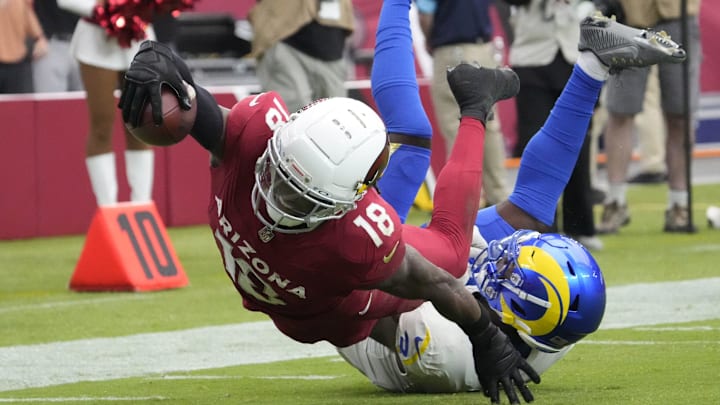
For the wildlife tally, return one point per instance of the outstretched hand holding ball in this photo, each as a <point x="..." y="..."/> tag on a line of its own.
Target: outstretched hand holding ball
<point x="158" y="100"/>
<point x="176" y="122"/>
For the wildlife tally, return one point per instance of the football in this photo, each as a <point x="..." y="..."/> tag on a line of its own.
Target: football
<point x="176" y="122"/>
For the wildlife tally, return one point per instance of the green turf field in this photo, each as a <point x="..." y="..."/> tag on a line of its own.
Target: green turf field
<point x="197" y="345"/>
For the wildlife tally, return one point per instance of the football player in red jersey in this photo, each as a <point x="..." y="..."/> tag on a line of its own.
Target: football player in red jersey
<point x="303" y="233"/>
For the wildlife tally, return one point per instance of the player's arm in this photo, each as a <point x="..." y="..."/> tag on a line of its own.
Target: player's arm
<point x="497" y="362"/>
<point x="418" y="278"/>
<point x="156" y="65"/>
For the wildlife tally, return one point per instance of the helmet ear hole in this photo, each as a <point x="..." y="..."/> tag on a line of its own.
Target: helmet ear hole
<point x="575" y="304"/>
<point x="517" y="308"/>
<point x="570" y="268"/>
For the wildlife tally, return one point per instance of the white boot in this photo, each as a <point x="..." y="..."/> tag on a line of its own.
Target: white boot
<point x="140" y="169"/>
<point x="103" y="179"/>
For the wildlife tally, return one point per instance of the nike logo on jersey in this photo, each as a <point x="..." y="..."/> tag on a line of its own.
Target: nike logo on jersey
<point x="418" y="347"/>
<point x="389" y="256"/>
<point x="255" y="99"/>
<point x="367" y="307"/>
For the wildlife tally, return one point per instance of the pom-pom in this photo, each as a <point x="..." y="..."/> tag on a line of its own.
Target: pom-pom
<point x="127" y="20"/>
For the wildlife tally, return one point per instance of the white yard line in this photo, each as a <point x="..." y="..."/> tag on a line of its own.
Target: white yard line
<point x="149" y="353"/>
<point x="662" y="303"/>
<point x="590" y="341"/>
<point x="238" y="377"/>
<point x="83" y="399"/>
<point x="678" y="329"/>
<point x="259" y="342"/>
<point x="59" y="304"/>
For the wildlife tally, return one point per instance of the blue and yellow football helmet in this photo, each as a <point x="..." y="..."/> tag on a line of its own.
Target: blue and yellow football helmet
<point x="547" y="286"/>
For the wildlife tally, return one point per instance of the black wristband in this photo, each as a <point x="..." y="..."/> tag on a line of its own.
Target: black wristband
<point x="479" y="326"/>
<point x="478" y="114"/>
<point x="209" y="124"/>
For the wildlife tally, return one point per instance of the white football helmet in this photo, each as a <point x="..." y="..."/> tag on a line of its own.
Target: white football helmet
<point x="319" y="164"/>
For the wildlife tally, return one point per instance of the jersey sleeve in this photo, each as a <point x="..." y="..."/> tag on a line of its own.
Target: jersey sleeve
<point x="372" y="243"/>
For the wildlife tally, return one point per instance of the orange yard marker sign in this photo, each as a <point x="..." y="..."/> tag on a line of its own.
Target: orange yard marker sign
<point x="127" y="249"/>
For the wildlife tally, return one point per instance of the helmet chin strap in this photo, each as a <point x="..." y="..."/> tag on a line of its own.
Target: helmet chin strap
<point x="524" y="295"/>
<point x="280" y="218"/>
<point x="524" y="331"/>
<point x="530" y="341"/>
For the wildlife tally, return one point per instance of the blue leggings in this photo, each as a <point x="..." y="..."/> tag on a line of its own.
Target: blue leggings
<point x="549" y="157"/>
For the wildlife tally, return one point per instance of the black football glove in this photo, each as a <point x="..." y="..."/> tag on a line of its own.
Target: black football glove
<point x="153" y="66"/>
<point x="476" y="89"/>
<point x="498" y="363"/>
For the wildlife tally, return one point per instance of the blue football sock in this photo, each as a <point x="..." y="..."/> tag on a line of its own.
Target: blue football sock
<point x="395" y="89"/>
<point x="404" y="175"/>
<point x="550" y="156"/>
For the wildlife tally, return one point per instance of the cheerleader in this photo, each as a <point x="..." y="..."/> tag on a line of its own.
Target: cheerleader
<point x="104" y="42"/>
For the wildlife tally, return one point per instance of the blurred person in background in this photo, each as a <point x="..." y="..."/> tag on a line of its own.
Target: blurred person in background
<point x="625" y="96"/>
<point x="651" y="135"/>
<point x="650" y="130"/>
<point x="103" y="60"/>
<point x="58" y="70"/>
<point x="299" y="46"/>
<point x="457" y="31"/>
<point x="21" y="41"/>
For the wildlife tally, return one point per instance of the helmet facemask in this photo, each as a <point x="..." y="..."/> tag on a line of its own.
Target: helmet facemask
<point x="288" y="202"/>
<point x="500" y="272"/>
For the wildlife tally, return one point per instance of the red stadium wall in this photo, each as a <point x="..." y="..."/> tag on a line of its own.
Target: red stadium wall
<point x="45" y="187"/>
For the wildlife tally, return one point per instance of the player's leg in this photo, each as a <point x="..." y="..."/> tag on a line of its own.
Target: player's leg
<point x="434" y="352"/>
<point x="446" y="239"/>
<point x="431" y="354"/>
<point x="540" y="180"/>
<point x="378" y="363"/>
<point x="494" y="188"/>
<point x="395" y="90"/>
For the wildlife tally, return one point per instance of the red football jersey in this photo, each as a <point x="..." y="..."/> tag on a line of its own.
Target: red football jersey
<point x="311" y="284"/>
